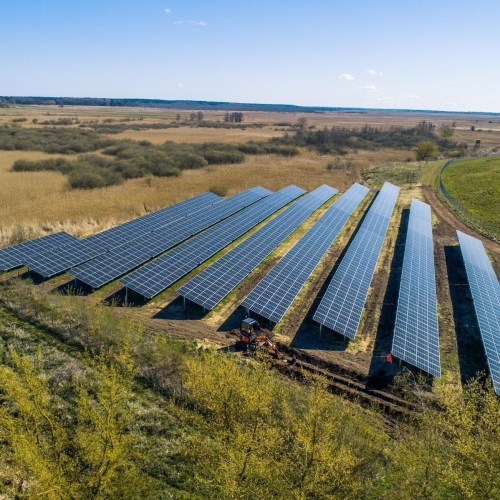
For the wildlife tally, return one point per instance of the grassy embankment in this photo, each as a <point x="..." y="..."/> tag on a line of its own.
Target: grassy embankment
<point x="476" y="184"/>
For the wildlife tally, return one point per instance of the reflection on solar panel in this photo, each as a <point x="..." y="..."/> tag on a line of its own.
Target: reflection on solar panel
<point x="416" y="335"/>
<point x="485" y="291"/>
<point x="80" y="251"/>
<point x="342" y="305"/>
<point x="272" y="297"/>
<point x="112" y="265"/>
<point x="210" y="286"/>
<point x="14" y="256"/>
<point x="163" y="272"/>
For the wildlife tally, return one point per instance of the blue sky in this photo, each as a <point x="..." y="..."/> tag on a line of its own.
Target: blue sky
<point x="420" y="54"/>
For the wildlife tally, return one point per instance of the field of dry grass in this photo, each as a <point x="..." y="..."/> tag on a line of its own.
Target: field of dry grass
<point x="42" y="202"/>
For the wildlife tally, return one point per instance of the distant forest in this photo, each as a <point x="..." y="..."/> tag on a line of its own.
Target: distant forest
<point x="203" y="105"/>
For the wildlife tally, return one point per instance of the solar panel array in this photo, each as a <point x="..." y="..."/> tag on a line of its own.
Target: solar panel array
<point x="416" y="335"/>
<point x="65" y="257"/>
<point x="210" y="286"/>
<point x="272" y="297"/>
<point x="485" y="291"/>
<point x="110" y="266"/>
<point x="163" y="272"/>
<point x="15" y="256"/>
<point x="342" y="305"/>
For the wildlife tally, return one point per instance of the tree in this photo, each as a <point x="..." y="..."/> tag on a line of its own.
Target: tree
<point x="301" y="123"/>
<point x="446" y="131"/>
<point x="178" y="117"/>
<point x="472" y="128"/>
<point x="199" y="116"/>
<point x="70" y="447"/>
<point x="425" y="150"/>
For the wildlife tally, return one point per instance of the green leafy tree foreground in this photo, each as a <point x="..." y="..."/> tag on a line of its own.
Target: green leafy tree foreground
<point x="73" y="444"/>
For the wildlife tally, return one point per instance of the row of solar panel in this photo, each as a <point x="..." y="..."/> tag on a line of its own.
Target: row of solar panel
<point x="416" y="335"/>
<point x="342" y="305"/>
<point x="485" y="290"/>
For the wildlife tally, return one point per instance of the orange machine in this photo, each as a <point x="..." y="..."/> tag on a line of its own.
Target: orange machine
<point x="252" y="340"/>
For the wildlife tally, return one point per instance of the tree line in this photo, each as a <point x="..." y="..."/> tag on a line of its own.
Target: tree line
<point x="342" y="140"/>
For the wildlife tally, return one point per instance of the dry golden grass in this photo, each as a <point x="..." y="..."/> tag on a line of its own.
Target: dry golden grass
<point x="42" y="202"/>
<point x="202" y="134"/>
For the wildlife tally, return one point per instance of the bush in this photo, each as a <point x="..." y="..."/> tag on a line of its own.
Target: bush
<point x="51" y="140"/>
<point x="86" y="180"/>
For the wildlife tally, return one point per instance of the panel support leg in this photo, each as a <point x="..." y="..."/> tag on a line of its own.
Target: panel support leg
<point x="320" y="328"/>
<point x="126" y="294"/>
<point x="184" y="308"/>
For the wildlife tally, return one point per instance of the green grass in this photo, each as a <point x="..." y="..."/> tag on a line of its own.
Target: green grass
<point x="476" y="184"/>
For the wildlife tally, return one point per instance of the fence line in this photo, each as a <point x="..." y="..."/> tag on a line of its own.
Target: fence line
<point x="489" y="229"/>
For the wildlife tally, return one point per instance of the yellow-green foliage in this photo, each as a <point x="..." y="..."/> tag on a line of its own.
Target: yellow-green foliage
<point x="476" y="184"/>
<point x="266" y="439"/>
<point x="70" y="445"/>
<point x="230" y="427"/>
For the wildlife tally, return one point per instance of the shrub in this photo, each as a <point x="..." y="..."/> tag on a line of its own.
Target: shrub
<point x="87" y="179"/>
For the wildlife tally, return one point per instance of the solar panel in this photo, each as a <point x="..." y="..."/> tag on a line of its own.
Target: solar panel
<point x="416" y="335"/>
<point x="273" y="296"/>
<point x="14" y="256"/>
<point x="112" y="265"/>
<point x="342" y="305"/>
<point x="80" y="251"/>
<point x="163" y="272"/>
<point x="210" y="286"/>
<point x="485" y="291"/>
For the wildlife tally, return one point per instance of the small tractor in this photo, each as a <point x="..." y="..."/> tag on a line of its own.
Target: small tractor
<point x="252" y="338"/>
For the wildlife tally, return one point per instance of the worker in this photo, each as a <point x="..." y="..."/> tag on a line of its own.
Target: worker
<point x="293" y="361"/>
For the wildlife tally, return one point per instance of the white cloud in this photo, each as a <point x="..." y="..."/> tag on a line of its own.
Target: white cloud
<point x="413" y="97"/>
<point x="369" y="88"/>
<point x="347" y="77"/>
<point x="384" y="99"/>
<point x="371" y="72"/>
<point x="180" y="85"/>
<point x="177" y="22"/>
<point x="198" y="23"/>
<point x="167" y="11"/>
<point x="449" y="103"/>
